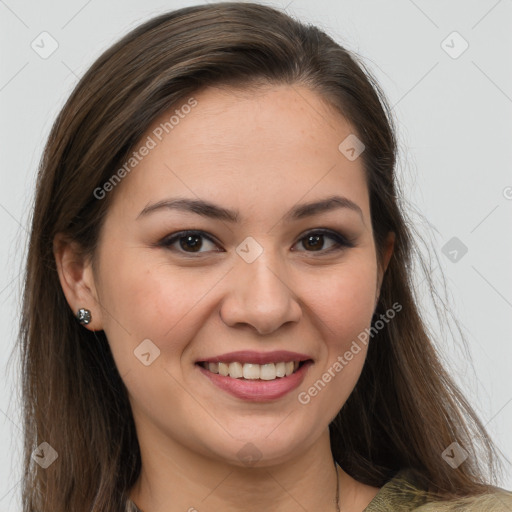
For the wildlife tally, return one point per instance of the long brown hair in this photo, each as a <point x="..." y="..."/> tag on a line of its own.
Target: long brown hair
<point x="405" y="409"/>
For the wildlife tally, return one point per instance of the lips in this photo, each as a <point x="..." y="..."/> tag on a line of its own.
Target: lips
<point x="257" y="390"/>
<point x="267" y="382"/>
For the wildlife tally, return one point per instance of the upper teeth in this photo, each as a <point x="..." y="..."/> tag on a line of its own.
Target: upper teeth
<point x="253" y="371"/>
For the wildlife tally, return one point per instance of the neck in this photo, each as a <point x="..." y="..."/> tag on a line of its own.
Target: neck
<point x="174" y="479"/>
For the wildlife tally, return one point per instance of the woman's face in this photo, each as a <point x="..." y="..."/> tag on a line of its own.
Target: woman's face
<point x="270" y="280"/>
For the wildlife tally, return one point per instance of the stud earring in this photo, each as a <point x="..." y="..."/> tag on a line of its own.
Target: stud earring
<point x="83" y="316"/>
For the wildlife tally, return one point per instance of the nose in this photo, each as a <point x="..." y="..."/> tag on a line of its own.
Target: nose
<point x="260" y="295"/>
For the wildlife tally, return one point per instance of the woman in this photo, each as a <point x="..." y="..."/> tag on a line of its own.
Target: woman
<point x="218" y="312"/>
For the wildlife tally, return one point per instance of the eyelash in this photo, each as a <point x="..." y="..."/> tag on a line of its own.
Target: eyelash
<point x="341" y="242"/>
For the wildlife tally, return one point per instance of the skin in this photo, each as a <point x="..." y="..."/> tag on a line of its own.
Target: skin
<point x="260" y="152"/>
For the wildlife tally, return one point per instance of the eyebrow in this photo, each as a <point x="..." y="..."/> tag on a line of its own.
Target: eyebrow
<point x="213" y="211"/>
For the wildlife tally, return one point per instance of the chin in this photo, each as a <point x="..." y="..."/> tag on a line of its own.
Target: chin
<point x="270" y="444"/>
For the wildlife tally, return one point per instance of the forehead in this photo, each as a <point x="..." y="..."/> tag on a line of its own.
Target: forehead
<point x="247" y="149"/>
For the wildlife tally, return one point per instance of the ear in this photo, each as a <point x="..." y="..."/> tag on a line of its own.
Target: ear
<point x="77" y="280"/>
<point x="389" y="245"/>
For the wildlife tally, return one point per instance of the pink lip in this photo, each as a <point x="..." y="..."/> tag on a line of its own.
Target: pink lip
<point x="258" y="390"/>
<point x="250" y="356"/>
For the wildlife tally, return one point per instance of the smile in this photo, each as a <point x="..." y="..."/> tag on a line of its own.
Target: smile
<point x="255" y="382"/>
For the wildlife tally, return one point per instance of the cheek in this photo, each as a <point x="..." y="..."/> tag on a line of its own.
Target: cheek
<point x="345" y="300"/>
<point x="345" y="306"/>
<point x="147" y="300"/>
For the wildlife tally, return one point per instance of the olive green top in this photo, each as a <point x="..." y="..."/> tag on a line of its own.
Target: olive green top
<point x="403" y="494"/>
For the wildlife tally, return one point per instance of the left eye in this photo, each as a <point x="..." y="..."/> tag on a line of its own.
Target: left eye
<point x="190" y="241"/>
<point x="315" y="239"/>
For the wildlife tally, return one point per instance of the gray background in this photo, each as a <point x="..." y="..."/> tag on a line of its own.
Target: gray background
<point x="454" y="120"/>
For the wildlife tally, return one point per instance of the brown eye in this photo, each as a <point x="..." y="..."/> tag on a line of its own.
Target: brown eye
<point x="315" y="241"/>
<point x="192" y="242"/>
<point x="189" y="242"/>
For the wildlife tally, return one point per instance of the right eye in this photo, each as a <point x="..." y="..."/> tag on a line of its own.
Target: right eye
<point x="189" y="242"/>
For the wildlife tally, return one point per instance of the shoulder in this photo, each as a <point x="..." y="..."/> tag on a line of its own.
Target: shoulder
<point x="400" y="494"/>
<point x="499" y="500"/>
<point x="403" y="493"/>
